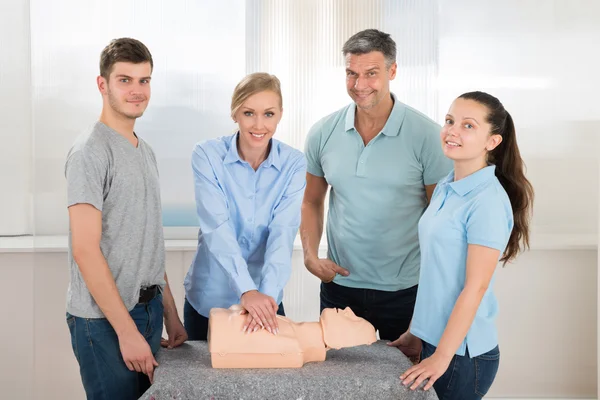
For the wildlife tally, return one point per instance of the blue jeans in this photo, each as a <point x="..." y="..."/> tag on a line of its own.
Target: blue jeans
<point x="196" y="325"/>
<point x="389" y="312"/>
<point x="466" y="378"/>
<point x="96" y="346"/>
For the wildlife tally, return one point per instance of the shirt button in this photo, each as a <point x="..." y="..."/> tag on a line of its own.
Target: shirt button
<point x="244" y="241"/>
<point x="251" y="196"/>
<point x="362" y="161"/>
<point x="249" y="219"/>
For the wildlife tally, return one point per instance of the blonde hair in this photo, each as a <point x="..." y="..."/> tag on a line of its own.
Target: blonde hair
<point x="252" y="84"/>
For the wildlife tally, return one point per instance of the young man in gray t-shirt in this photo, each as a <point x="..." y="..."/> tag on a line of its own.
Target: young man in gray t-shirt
<point x="119" y="290"/>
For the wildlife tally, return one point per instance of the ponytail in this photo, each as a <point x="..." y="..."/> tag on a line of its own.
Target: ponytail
<point x="509" y="171"/>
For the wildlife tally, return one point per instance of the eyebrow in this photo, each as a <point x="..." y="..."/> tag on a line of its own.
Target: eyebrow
<point x="251" y="109"/>
<point x="129" y="77"/>
<point x="376" y="67"/>
<point x="450" y="115"/>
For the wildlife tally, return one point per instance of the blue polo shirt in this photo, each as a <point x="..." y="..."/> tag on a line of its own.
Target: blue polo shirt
<point x="472" y="210"/>
<point x="377" y="193"/>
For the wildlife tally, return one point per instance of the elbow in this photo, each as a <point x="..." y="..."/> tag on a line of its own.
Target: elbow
<point x="81" y="253"/>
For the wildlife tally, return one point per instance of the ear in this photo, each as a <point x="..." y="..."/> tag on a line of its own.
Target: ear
<point x="493" y="142"/>
<point x="392" y="71"/>
<point x="102" y="84"/>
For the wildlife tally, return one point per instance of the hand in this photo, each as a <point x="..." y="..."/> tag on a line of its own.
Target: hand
<point x="176" y="333"/>
<point x="324" y="269"/>
<point x="262" y="309"/>
<point x="137" y="354"/>
<point x="410" y="345"/>
<point x="430" y="368"/>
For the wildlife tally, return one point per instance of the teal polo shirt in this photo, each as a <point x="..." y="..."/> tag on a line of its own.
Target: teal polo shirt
<point x="377" y="193"/>
<point x="472" y="210"/>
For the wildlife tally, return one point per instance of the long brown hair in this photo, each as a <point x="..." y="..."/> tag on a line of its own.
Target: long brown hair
<point x="509" y="171"/>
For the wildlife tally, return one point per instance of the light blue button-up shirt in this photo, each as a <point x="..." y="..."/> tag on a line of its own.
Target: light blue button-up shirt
<point x="377" y="193"/>
<point x="248" y="222"/>
<point x="472" y="210"/>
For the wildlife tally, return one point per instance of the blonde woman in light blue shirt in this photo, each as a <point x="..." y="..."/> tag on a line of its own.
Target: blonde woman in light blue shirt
<point x="478" y="215"/>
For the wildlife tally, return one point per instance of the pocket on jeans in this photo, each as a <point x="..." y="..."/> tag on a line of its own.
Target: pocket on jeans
<point x="486" y="367"/>
<point x="73" y="332"/>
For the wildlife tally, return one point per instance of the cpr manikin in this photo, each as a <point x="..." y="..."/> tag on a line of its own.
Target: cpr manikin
<point x="294" y="345"/>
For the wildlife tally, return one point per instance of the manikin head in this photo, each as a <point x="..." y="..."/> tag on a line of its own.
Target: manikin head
<point x="342" y="328"/>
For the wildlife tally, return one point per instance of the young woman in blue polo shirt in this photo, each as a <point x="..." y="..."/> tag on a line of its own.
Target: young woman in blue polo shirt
<point x="478" y="215"/>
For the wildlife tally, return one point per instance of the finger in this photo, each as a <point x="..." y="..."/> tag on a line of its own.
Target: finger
<point x="149" y="365"/>
<point x="395" y="343"/>
<point x="171" y="341"/>
<point x="247" y="323"/>
<point x="341" y="271"/>
<point x="255" y="315"/>
<point x="252" y="326"/>
<point x="261" y="317"/>
<point x="271" y="320"/>
<point x="137" y="366"/>
<point x="129" y="365"/>
<point x="410" y="371"/>
<point x="179" y="340"/>
<point x="164" y="342"/>
<point x="412" y="376"/>
<point x="420" y="379"/>
<point x="429" y="384"/>
<point x="265" y="317"/>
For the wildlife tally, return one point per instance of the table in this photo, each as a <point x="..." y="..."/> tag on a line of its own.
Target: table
<point x="362" y="372"/>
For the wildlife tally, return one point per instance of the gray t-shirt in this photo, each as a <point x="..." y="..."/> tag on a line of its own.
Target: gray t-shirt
<point x="105" y="170"/>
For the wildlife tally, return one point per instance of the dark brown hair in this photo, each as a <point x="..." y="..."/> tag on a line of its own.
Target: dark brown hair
<point x="123" y="50"/>
<point x="509" y="171"/>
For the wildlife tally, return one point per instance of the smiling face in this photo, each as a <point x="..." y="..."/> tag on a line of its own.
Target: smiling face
<point x="127" y="90"/>
<point x="368" y="79"/>
<point x="257" y="119"/>
<point x="466" y="133"/>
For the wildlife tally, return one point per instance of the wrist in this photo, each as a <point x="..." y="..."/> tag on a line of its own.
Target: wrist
<point x="444" y="354"/>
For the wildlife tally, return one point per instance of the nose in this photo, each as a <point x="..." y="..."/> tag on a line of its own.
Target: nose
<point x="259" y="122"/>
<point x="360" y="83"/>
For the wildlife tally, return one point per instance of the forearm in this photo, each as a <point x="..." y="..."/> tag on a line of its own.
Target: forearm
<point x="101" y="284"/>
<point x="460" y="320"/>
<point x="311" y="229"/>
<point x="170" y="309"/>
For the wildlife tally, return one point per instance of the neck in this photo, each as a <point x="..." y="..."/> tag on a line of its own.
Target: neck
<point x="253" y="156"/>
<point x="120" y="124"/>
<point x="465" y="168"/>
<point x="377" y="115"/>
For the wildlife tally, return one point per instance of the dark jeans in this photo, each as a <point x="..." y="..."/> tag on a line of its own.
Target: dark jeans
<point x="196" y="325"/>
<point x="96" y="346"/>
<point x="466" y="378"/>
<point x="389" y="312"/>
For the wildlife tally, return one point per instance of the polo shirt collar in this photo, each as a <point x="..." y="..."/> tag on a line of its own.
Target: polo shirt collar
<point x="393" y="123"/>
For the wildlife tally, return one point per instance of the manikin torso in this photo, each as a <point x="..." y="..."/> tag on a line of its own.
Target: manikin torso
<point x="296" y="343"/>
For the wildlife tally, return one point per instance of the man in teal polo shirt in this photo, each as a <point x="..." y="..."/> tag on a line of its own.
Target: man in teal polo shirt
<point x="382" y="160"/>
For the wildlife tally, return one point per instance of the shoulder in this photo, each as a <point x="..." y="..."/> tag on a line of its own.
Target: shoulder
<point x="288" y="154"/>
<point x="325" y="126"/>
<point x="92" y="144"/>
<point x="215" y="148"/>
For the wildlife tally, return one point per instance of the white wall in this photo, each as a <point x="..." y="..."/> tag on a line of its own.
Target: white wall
<point x="547" y="323"/>
<point x="15" y="119"/>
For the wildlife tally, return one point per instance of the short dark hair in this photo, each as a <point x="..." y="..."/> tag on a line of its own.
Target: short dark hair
<point x="123" y="50"/>
<point x="372" y="40"/>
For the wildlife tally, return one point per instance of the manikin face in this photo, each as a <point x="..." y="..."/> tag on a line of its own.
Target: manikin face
<point x="127" y="91"/>
<point x="466" y="134"/>
<point x="368" y="79"/>
<point x="342" y="328"/>
<point x="257" y="119"/>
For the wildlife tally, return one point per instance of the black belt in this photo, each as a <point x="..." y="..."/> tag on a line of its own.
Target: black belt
<point x="148" y="293"/>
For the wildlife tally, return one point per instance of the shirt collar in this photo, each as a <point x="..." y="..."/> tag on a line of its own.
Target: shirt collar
<point x="468" y="183"/>
<point x="232" y="156"/>
<point x="393" y="123"/>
